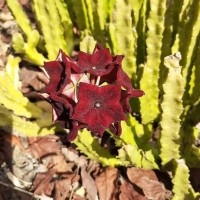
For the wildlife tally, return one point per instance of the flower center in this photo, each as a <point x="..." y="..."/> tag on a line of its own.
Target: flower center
<point x="94" y="68"/>
<point x="97" y="104"/>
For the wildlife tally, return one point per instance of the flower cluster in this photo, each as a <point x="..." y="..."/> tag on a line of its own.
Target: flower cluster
<point x="91" y="91"/>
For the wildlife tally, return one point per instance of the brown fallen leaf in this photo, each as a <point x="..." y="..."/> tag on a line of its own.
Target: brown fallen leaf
<point x="129" y="192"/>
<point x="88" y="183"/>
<point x="77" y="197"/>
<point x="43" y="146"/>
<point x="147" y="180"/>
<point x="2" y="2"/>
<point x="57" y="162"/>
<point x="43" y="183"/>
<point x="50" y="182"/>
<point x="62" y="189"/>
<point x="32" y="79"/>
<point x="106" y="183"/>
<point x="13" y="140"/>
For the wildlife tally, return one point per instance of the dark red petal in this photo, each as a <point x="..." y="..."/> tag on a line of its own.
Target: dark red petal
<point x="69" y="63"/>
<point x="73" y="131"/>
<point x="124" y="80"/>
<point x="98" y="119"/>
<point x="54" y="70"/>
<point x="110" y="95"/>
<point x="65" y="101"/>
<point x="116" y="128"/>
<point x="97" y="63"/>
<point x="118" y="59"/>
<point x="125" y="97"/>
<point x="101" y="59"/>
<point x="137" y="93"/>
<point x="84" y="61"/>
<point x="97" y="48"/>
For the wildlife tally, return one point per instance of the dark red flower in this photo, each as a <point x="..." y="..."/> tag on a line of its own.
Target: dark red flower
<point x="99" y="63"/>
<point x="91" y="91"/>
<point x="98" y="107"/>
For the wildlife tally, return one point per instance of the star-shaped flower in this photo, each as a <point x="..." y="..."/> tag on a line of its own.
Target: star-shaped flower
<point x="58" y="72"/>
<point x="99" y="63"/>
<point x="98" y="107"/>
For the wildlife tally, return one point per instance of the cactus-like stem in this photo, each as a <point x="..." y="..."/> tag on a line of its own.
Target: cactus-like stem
<point x="15" y="109"/>
<point x="54" y="27"/>
<point x="132" y="155"/>
<point x="182" y="188"/>
<point x="149" y="79"/>
<point x="125" y="36"/>
<point x="194" y="91"/>
<point x="141" y="41"/>
<point x="166" y="41"/>
<point x="83" y="13"/>
<point x="171" y="110"/>
<point x="28" y="49"/>
<point x="90" y="146"/>
<point x="188" y="32"/>
<point x="136" y="6"/>
<point x="11" y="97"/>
<point x="87" y="44"/>
<point x="20" y="16"/>
<point x="14" y="123"/>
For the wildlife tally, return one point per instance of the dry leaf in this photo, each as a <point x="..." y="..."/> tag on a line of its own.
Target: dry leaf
<point x="88" y="183"/>
<point x="106" y="183"/>
<point x="129" y="192"/>
<point x="57" y="163"/>
<point x="32" y="79"/>
<point x="43" y="146"/>
<point x="148" y="182"/>
<point x="2" y="2"/>
<point x="62" y="188"/>
<point x="74" y="157"/>
<point x="43" y="183"/>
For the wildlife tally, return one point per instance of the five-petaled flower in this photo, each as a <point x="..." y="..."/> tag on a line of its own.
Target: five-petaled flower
<point x="98" y="107"/>
<point x="90" y="92"/>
